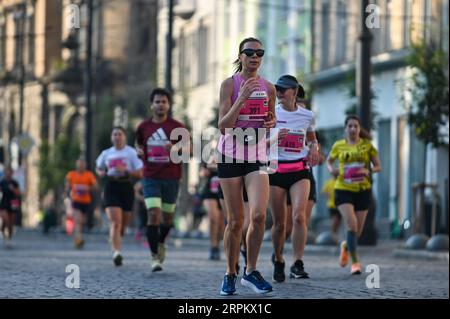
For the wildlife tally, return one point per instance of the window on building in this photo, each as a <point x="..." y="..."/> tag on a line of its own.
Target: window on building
<point x="325" y="15"/>
<point x="143" y="16"/>
<point x="227" y="17"/>
<point x="202" y="55"/>
<point x="18" y="17"/>
<point x="384" y="177"/>
<point x="444" y="26"/>
<point x="31" y="21"/>
<point x="2" y="41"/>
<point x="426" y="20"/>
<point x="181" y="61"/>
<point x="283" y="10"/>
<point x="341" y="32"/>
<point x="387" y="45"/>
<point x="241" y="13"/>
<point x="407" y="11"/>
<point x="190" y="51"/>
<point x="377" y="33"/>
<point x="262" y="17"/>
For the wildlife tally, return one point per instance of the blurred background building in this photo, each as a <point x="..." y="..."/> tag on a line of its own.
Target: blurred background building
<point x="42" y="100"/>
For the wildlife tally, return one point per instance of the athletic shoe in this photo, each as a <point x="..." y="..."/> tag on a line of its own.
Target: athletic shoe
<point x="79" y="243"/>
<point x="228" y="285"/>
<point x="156" y="263"/>
<point x="343" y="257"/>
<point x="298" y="270"/>
<point x="273" y="257"/>
<point x="256" y="282"/>
<point x="162" y="248"/>
<point x="7" y="243"/>
<point x="214" y="253"/>
<point x="356" y="269"/>
<point x="278" y="272"/>
<point x="117" y="258"/>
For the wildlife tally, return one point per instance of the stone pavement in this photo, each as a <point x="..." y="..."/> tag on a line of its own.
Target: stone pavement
<point x="36" y="268"/>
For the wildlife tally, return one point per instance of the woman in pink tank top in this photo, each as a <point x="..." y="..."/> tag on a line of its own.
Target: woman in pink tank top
<point x="247" y="103"/>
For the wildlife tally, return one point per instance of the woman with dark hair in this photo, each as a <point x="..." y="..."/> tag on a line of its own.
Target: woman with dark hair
<point x="246" y="110"/>
<point x="297" y="152"/>
<point x="119" y="164"/>
<point x="358" y="158"/>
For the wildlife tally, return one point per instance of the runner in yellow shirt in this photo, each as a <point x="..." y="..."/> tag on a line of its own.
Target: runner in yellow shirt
<point x="353" y="185"/>
<point x="328" y="191"/>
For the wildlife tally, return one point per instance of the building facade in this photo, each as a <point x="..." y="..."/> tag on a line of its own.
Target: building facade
<point x="401" y="23"/>
<point x="42" y="59"/>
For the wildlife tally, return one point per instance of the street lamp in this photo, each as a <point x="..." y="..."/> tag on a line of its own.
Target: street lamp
<point x="363" y="71"/>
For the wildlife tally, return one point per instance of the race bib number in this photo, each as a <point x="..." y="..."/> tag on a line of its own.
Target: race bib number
<point x="15" y="203"/>
<point x="116" y="162"/>
<point x="293" y="142"/>
<point x="157" y="153"/>
<point x="256" y="107"/>
<point x="81" y="190"/>
<point x="351" y="174"/>
<point x="214" y="185"/>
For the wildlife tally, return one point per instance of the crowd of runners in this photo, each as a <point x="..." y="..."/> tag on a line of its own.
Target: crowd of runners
<point x="269" y="165"/>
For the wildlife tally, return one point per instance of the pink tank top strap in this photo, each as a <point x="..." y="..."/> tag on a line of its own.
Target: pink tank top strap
<point x="237" y="82"/>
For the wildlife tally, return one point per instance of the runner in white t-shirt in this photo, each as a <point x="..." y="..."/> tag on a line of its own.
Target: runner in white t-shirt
<point x="119" y="165"/>
<point x="297" y="150"/>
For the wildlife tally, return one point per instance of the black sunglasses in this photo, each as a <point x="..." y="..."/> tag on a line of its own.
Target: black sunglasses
<point x="251" y="52"/>
<point x="281" y="90"/>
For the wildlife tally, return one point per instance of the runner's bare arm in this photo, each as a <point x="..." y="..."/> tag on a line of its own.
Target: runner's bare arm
<point x="136" y="174"/>
<point x="94" y="185"/>
<point x="281" y="134"/>
<point x="376" y="164"/>
<point x="333" y="171"/>
<point x="139" y="144"/>
<point x="313" y="155"/>
<point x="100" y="172"/>
<point x="271" y="121"/>
<point x="67" y="188"/>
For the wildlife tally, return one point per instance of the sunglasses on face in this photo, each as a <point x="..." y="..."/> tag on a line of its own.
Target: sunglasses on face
<point x="251" y="52"/>
<point x="281" y="90"/>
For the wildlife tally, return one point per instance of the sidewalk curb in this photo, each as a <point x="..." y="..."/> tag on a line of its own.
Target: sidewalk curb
<point x="420" y="254"/>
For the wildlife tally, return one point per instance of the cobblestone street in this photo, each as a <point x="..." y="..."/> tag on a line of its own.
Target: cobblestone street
<point x="36" y="268"/>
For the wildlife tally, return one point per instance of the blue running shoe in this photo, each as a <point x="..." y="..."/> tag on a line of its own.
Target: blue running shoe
<point x="228" y="285"/>
<point x="256" y="282"/>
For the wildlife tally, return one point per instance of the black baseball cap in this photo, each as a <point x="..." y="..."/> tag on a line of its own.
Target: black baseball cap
<point x="287" y="82"/>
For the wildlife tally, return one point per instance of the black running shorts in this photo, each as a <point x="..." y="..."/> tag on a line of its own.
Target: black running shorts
<point x="360" y="200"/>
<point x="119" y="194"/>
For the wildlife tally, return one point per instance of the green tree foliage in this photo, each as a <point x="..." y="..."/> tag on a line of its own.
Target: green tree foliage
<point x="104" y="118"/>
<point x="428" y="113"/>
<point x="56" y="160"/>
